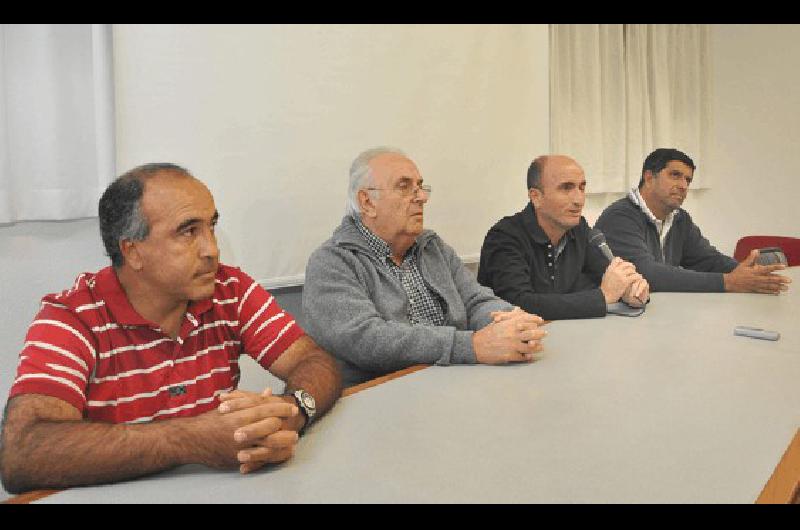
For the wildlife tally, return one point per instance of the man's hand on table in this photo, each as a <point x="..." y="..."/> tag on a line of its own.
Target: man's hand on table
<point x="269" y="434"/>
<point x="512" y="336"/>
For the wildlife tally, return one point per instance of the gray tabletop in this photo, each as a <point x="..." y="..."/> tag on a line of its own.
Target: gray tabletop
<point x="666" y="407"/>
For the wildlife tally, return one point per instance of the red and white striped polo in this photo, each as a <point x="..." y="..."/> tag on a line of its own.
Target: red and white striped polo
<point x="89" y="347"/>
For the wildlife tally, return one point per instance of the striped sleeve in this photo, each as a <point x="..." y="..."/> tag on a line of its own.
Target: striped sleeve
<point x="266" y="329"/>
<point x="57" y="358"/>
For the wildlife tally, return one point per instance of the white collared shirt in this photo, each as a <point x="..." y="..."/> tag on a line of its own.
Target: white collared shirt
<point x="661" y="226"/>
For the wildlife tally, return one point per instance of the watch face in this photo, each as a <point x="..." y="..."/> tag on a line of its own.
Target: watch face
<point x="308" y="400"/>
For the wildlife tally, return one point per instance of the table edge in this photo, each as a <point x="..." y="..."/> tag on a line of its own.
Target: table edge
<point x="783" y="487"/>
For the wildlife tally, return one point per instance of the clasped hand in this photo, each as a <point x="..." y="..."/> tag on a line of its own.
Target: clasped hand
<point x="637" y="294"/>
<point x="621" y="281"/>
<point x="264" y="435"/>
<point x="513" y="336"/>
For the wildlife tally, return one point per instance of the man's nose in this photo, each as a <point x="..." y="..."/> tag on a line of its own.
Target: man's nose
<point x="208" y="246"/>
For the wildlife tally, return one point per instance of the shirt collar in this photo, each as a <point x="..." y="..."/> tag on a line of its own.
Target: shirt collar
<point x="111" y="292"/>
<point x="380" y="247"/>
<point x="636" y="197"/>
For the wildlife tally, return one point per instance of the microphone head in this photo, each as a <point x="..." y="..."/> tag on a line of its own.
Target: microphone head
<point x="596" y="237"/>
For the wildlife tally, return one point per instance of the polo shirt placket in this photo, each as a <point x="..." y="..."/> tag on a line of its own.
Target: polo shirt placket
<point x="552" y="260"/>
<point x="178" y="391"/>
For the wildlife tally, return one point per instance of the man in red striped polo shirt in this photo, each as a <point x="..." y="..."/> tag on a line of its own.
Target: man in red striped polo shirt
<point x="135" y="368"/>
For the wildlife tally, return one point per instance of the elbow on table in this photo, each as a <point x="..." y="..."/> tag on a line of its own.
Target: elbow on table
<point x="18" y="469"/>
<point x="13" y="473"/>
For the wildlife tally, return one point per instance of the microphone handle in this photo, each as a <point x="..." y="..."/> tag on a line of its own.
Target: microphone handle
<point x="606" y="251"/>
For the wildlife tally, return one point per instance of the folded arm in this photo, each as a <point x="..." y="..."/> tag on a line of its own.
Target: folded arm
<point x="47" y="444"/>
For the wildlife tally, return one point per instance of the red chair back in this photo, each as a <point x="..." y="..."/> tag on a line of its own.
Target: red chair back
<point x="789" y="245"/>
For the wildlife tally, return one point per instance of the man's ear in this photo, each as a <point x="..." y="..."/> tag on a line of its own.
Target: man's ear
<point x="366" y="204"/>
<point x="649" y="176"/>
<point x="131" y="254"/>
<point x="535" y="196"/>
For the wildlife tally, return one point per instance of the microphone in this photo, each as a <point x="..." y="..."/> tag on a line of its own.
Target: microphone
<point x="597" y="239"/>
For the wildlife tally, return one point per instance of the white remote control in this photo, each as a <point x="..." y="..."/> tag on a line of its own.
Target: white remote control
<point x="756" y="333"/>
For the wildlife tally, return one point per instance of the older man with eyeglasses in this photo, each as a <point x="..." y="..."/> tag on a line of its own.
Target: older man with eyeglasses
<point x="383" y="293"/>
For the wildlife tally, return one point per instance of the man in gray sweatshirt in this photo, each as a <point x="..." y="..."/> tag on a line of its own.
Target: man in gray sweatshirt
<point x="383" y="293"/>
<point x="650" y="229"/>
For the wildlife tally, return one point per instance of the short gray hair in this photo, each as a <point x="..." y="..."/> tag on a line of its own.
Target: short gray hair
<point x="361" y="175"/>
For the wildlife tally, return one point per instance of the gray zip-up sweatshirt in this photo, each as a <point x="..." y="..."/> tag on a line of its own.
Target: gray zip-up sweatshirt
<point x="688" y="261"/>
<point x="356" y="309"/>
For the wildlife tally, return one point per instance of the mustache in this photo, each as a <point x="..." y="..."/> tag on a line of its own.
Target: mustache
<point x="210" y="270"/>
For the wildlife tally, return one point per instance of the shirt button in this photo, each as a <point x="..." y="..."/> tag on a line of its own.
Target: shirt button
<point x="552" y="277"/>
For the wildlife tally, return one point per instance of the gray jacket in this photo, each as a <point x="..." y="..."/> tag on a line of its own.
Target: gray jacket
<point x="356" y="309"/>
<point x="687" y="263"/>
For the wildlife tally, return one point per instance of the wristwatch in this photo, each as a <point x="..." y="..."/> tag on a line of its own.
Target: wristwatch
<point x="307" y="404"/>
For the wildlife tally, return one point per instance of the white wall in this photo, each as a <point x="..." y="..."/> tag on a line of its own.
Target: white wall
<point x="271" y="116"/>
<point x="756" y="180"/>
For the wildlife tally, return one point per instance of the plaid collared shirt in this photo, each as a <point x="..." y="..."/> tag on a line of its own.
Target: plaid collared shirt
<point x="424" y="305"/>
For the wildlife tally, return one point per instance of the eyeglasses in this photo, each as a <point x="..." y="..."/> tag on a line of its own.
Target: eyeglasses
<point x="406" y="189"/>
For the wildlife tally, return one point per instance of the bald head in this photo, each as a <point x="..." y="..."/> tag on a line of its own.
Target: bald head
<point x="547" y="164"/>
<point x="557" y="191"/>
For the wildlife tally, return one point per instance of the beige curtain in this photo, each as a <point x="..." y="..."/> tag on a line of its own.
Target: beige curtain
<point x="620" y="91"/>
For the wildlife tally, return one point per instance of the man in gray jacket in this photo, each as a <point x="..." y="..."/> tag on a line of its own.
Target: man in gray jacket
<point x="383" y="294"/>
<point x="650" y="229"/>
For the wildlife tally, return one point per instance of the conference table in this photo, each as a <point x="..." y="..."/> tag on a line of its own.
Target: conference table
<point x="666" y="407"/>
